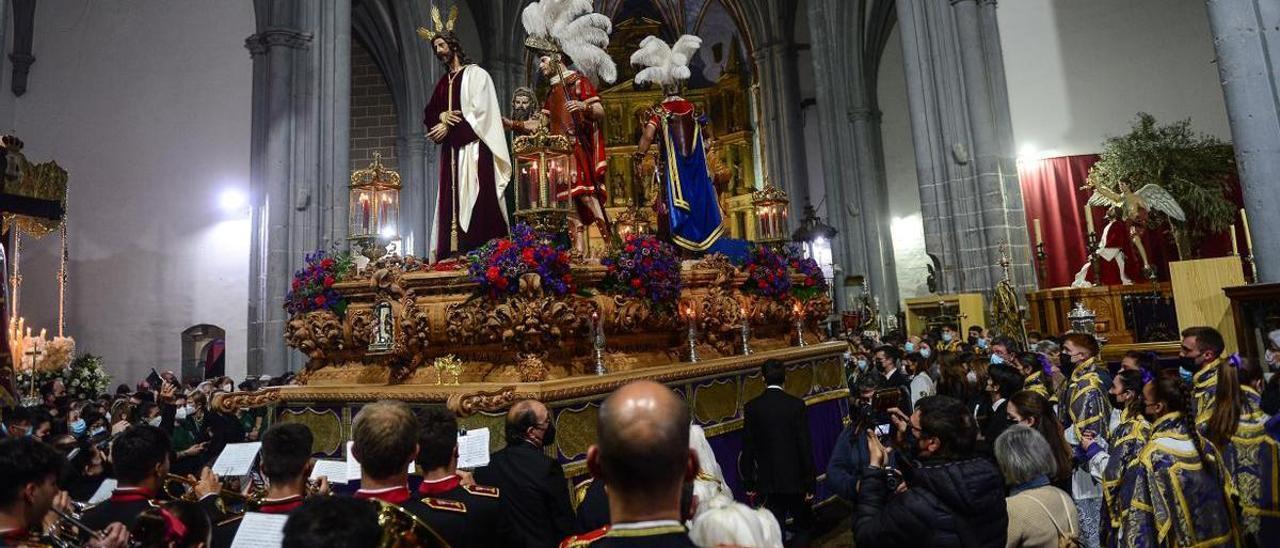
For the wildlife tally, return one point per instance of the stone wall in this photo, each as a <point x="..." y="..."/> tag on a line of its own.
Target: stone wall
<point x="373" y="112"/>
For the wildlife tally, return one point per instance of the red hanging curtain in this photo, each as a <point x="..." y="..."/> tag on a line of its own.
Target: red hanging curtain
<point x="1051" y="193"/>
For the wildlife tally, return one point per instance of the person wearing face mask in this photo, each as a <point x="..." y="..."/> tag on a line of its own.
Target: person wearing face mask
<point x="1004" y="350"/>
<point x="1176" y="466"/>
<point x="1088" y="412"/>
<point x="531" y="483"/>
<point x="952" y="497"/>
<point x="17" y="422"/>
<point x="977" y="339"/>
<point x="191" y="436"/>
<point x="1201" y="353"/>
<point x="87" y="468"/>
<point x="950" y="340"/>
<point x="1237" y="426"/>
<point x="1128" y="435"/>
<point x="888" y="359"/>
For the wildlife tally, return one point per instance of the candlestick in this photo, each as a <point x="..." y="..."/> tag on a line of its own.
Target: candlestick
<point x="693" y="334"/>
<point x="597" y="342"/>
<point x="1235" y="247"/>
<point x="1041" y="258"/>
<point x="1248" y="235"/>
<point x="746" y="331"/>
<point x="799" y="319"/>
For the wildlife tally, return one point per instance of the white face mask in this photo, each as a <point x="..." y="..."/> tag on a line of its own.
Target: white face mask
<point x="154" y="421"/>
<point x="972" y="377"/>
<point x="180" y="413"/>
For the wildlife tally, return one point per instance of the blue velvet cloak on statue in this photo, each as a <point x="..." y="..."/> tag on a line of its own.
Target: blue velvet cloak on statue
<point x="692" y="203"/>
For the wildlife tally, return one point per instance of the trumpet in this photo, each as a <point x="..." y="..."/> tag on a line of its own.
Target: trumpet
<point x="183" y="488"/>
<point x="69" y="531"/>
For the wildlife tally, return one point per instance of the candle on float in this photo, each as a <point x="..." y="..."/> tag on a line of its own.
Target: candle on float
<point x="1248" y="236"/>
<point x="1088" y="218"/>
<point x="1235" y="247"/>
<point x="1039" y="235"/>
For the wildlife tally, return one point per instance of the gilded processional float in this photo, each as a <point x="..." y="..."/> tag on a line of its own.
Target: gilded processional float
<point x="527" y="313"/>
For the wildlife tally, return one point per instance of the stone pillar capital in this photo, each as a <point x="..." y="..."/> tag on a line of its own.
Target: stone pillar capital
<point x="263" y="41"/>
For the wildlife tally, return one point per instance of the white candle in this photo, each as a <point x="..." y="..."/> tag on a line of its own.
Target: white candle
<point x="1235" y="248"/>
<point x="1088" y="218"/>
<point x="1039" y="235"/>
<point x="1248" y="236"/>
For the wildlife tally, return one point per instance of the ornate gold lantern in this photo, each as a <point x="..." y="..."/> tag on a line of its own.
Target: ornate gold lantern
<point x="375" y="208"/>
<point x="771" y="215"/>
<point x="545" y="171"/>
<point x="631" y="222"/>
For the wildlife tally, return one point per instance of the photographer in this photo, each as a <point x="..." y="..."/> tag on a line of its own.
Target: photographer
<point x="952" y="498"/>
<point x="851" y="454"/>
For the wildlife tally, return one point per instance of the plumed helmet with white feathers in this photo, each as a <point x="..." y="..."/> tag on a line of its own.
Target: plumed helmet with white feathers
<point x="572" y="27"/>
<point x="665" y="65"/>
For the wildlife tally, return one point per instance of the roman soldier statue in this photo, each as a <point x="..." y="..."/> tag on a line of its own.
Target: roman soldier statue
<point x="688" y="210"/>
<point x="569" y="41"/>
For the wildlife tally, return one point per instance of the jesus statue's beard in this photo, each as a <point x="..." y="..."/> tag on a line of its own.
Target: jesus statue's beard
<point x="521" y="114"/>
<point x="445" y="57"/>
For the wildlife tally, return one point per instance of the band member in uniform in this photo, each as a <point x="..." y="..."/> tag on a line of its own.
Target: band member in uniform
<point x="140" y="460"/>
<point x="643" y="457"/>
<point x="465" y="515"/>
<point x="385" y="436"/>
<point x="29" y="491"/>
<point x="332" y="521"/>
<point x="286" y="463"/>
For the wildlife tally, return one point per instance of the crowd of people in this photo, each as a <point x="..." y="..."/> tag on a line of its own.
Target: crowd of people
<point x="951" y="441"/>
<point x="1149" y="452"/>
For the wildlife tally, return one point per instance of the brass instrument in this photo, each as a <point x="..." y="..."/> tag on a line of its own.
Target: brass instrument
<point x="402" y="529"/>
<point x="69" y="531"/>
<point x="183" y="488"/>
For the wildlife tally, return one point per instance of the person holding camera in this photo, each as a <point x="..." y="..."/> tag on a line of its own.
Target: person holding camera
<point x="850" y="456"/>
<point x="951" y="497"/>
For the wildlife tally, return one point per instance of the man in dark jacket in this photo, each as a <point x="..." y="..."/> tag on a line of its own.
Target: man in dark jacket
<point x="952" y="498"/>
<point x="777" y="457"/>
<point x="1002" y="383"/>
<point x="850" y="456"/>
<point x="535" y="495"/>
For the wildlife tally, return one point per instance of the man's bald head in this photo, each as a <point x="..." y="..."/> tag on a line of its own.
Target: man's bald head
<point x="642" y="442"/>
<point x="522" y="416"/>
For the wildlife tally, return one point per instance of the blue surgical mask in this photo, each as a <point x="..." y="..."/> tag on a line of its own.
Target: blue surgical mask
<point x="1186" y="374"/>
<point x="948" y="336"/>
<point x="862" y="365"/>
<point x="909" y="347"/>
<point x="982" y="343"/>
<point x="77" y="427"/>
<point x="996" y="359"/>
<point x="97" y="431"/>
<point x="924" y="352"/>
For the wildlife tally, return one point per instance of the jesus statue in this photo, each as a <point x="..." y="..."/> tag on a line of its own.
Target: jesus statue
<point x="465" y="119"/>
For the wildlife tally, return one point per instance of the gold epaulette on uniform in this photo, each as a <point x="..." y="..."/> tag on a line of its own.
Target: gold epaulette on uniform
<point x="585" y="539"/>
<point x="482" y="490"/>
<point x="445" y="504"/>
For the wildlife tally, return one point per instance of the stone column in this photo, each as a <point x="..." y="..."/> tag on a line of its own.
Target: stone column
<point x="298" y="158"/>
<point x="1246" y="37"/>
<point x="845" y="62"/>
<point x="784" y="133"/>
<point x="970" y="199"/>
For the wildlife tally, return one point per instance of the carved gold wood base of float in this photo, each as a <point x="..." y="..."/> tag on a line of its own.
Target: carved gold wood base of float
<point x="403" y="320"/>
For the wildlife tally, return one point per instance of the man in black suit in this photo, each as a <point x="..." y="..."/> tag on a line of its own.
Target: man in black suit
<point x="464" y="515"/>
<point x="777" y="457"/>
<point x="889" y="360"/>
<point x="140" y="460"/>
<point x="642" y="457"/>
<point x="535" y="494"/>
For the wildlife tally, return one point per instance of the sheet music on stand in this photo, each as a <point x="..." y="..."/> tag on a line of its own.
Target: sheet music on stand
<point x="473" y="448"/>
<point x="334" y="470"/>
<point x="236" y="459"/>
<point x="258" y="530"/>
<point x="104" y="491"/>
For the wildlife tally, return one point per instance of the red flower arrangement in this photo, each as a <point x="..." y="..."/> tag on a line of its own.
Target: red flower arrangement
<point x="497" y="266"/>
<point x="644" y="267"/>
<point x="312" y="286"/>
<point x="767" y="273"/>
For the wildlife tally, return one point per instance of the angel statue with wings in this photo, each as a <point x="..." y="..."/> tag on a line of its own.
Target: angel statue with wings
<point x="1126" y="207"/>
